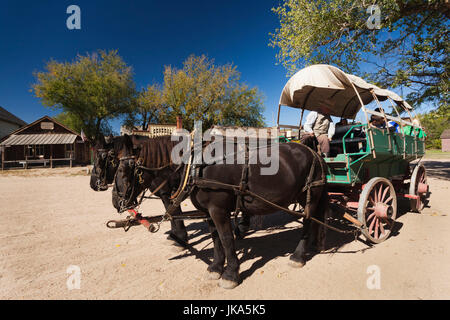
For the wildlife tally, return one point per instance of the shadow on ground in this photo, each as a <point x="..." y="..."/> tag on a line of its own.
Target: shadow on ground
<point x="278" y="238"/>
<point x="437" y="169"/>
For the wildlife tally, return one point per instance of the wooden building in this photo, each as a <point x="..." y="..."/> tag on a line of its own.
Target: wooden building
<point x="153" y="130"/>
<point x="9" y="123"/>
<point x="445" y="140"/>
<point x="44" y="142"/>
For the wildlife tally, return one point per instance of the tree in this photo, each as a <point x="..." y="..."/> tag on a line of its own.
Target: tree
<point x="73" y="122"/>
<point x="70" y="121"/>
<point x="411" y="48"/>
<point x="213" y="94"/>
<point x="147" y="109"/>
<point x="90" y="91"/>
<point x="435" y="122"/>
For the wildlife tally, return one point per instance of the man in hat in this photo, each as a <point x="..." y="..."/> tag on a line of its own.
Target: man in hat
<point x="320" y="125"/>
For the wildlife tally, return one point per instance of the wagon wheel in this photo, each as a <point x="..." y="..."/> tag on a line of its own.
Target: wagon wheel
<point x="377" y="209"/>
<point x="419" y="187"/>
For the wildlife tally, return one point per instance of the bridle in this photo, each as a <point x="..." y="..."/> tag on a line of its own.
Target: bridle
<point x="128" y="198"/>
<point x="108" y="155"/>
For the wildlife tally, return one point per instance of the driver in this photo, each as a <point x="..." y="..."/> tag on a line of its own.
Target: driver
<point x="320" y="125"/>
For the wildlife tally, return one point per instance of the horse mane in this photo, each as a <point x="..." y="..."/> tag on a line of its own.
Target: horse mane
<point x="119" y="143"/>
<point x="156" y="152"/>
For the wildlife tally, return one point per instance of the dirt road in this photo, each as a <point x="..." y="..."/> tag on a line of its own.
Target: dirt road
<point x="51" y="220"/>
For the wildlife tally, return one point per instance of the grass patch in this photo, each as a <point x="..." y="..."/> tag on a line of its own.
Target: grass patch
<point x="436" y="154"/>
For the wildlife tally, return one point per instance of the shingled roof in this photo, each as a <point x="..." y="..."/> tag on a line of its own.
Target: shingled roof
<point x="9" y="117"/>
<point x="445" y="134"/>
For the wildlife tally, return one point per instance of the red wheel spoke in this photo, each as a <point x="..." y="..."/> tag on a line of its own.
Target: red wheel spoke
<point x="371" y="226"/>
<point x="389" y="199"/>
<point x="382" y="229"/>
<point x="376" y="228"/>
<point x="370" y="216"/>
<point x="384" y="194"/>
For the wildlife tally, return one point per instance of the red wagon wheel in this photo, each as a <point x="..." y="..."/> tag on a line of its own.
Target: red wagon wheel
<point x="377" y="209"/>
<point x="419" y="187"/>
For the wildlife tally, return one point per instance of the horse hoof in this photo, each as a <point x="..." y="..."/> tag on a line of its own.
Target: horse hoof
<point x="227" y="284"/>
<point x="211" y="275"/>
<point x="296" y="264"/>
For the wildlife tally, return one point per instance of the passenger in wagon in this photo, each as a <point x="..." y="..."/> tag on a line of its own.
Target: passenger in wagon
<point x="320" y="125"/>
<point x="377" y="121"/>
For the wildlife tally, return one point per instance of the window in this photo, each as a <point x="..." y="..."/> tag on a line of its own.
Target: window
<point x="29" y="151"/>
<point x="39" y="150"/>
<point x="34" y="151"/>
<point x="68" y="150"/>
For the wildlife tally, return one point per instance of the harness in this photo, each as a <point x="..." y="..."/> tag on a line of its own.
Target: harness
<point x="138" y="170"/>
<point x="192" y="179"/>
<point x="109" y="157"/>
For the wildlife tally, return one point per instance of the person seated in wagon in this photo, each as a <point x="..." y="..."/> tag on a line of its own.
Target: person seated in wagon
<point x="320" y="125"/>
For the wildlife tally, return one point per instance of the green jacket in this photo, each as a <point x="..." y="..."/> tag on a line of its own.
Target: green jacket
<point x="411" y="131"/>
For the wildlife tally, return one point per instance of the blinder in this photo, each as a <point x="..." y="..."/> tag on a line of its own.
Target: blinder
<point x="132" y="164"/>
<point x="107" y="155"/>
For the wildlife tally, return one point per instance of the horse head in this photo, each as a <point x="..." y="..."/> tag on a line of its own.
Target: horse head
<point x="105" y="163"/>
<point x="126" y="182"/>
<point x="142" y="164"/>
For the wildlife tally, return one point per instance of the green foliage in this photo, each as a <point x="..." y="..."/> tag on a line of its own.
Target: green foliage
<point x="435" y="122"/>
<point x="210" y="93"/>
<point x="73" y="122"/>
<point x="147" y="109"/>
<point x="412" y="42"/>
<point x="70" y="121"/>
<point x="90" y="90"/>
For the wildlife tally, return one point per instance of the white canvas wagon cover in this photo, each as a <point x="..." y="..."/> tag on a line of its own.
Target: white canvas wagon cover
<point x="327" y="85"/>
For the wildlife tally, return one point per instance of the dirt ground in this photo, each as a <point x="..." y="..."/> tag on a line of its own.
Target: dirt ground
<point x="50" y="220"/>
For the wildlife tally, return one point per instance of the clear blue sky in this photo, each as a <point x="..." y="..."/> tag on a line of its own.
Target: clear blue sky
<point x="148" y="35"/>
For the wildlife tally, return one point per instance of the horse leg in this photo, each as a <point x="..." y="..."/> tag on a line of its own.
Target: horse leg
<point x="298" y="258"/>
<point x="178" y="234"/>
<point x="243" y="226"/>
<point x="312" y="234"/>
<point x="222" y="221"/>
<point x="215" y="269"/>
<point x="322" y="213"/>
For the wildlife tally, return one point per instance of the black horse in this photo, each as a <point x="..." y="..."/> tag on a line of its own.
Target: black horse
<point x="299" y="168"/>
<point x="107" y="152"/>
<point x="106" y="159"/>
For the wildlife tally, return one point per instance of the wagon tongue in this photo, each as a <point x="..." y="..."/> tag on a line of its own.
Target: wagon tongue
<point x="134" y="219"/>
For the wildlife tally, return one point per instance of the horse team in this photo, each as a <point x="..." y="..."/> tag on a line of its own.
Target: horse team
<point x="116" y="160"/>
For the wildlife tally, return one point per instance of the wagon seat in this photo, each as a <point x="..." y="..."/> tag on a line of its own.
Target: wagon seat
<point x="355" y="141"/>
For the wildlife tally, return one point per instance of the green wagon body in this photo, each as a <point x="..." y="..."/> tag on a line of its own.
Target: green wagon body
<point x="368" y="168"/>
<point x="388" y="156"/>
